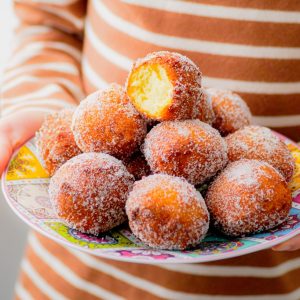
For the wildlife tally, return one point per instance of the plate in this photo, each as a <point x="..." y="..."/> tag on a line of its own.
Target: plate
<point x="25" y="186"/>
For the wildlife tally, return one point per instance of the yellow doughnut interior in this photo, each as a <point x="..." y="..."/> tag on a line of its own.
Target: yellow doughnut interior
<point x="150" y="90"/>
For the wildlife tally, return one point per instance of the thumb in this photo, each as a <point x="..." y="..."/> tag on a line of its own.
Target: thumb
<point x="5" y="152"/>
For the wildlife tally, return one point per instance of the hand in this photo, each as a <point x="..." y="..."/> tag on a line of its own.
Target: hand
<point x="290" y="245"/>
<point x="15" y="130"/>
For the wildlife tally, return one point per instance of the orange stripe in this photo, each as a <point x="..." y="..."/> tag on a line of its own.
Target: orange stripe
<point x="30" y="286"/>
<point x="269" y="70"/>
<point x="205" y="28"/>
<point x="266" y="4"/>
<point x="92" y="275"/>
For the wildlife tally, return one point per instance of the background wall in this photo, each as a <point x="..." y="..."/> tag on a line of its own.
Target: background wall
<point x="12" y="231"/>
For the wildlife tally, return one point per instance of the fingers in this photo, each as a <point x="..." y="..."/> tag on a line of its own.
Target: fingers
<point x="15" y="130"/>
<point x="290" y="245"/>
<point x="5" y="152"/>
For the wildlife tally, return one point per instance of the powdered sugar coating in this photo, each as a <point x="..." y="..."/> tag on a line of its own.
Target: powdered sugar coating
<point x="107" y="122"/>
<point x="89" y="192"/>
<point x="248" y="196"/>
<point x="190" y="149"/>
<point x="185" y="77"/>
<point x="55" y="141"/>
<point x="231" y="111"/>
<point x="205" y="110"/>
<point x="167" y="212"/>
<point x="256" y="142"/>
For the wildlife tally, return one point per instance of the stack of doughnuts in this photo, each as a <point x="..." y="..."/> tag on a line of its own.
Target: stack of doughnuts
<point x="139" y="152"/>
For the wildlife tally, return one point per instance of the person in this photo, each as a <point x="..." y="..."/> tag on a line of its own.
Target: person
<point x="251" y="47"/>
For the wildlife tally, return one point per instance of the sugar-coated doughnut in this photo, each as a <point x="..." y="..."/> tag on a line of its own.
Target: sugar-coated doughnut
<point x="165" y="86"/>
<point x="89" y="192"/>
<point x="167" y="212"/>
<point x="256" y="142"/>
<point x="230" y="110"/>
<point x="137" y="166"/>
<point x="205" y="111"/>
<point x="55" y="141"/>
<point x="107" y="122"/>
<point x="190" y="149"/>
<point x="248" y="196"/>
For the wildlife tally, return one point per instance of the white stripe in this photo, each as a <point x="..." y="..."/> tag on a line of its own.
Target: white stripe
<point x="92" y="76"/>
<point x="59" y="67"/>
<point x="52" y="102"/>
<point x="45" y="91"/>
<point x="160" y="291"/>
<point x="31" y="109"/>
<point x="45" y="288"/>
<point x="36" y="48"/>
<point x="277" y="121"/>
<point x="55" y="2"/>
<point x="195" y="45"/>
<point x="121" y="61"/>
<point x="254" y="87"/>
<point x="77" y="22"/>
<point x="57" y="266"/>
<point x="32" y="30"/>
<point x="223" y="12"/>
<point x="233" y="271"/>
<point x="22" y="293"/>
<point x="132" y="280"/>
<point x="73" y="88"/>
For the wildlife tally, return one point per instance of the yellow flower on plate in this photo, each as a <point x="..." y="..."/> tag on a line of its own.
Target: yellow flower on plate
<point x="25" y="165"/>
<point x="295" y="183"/>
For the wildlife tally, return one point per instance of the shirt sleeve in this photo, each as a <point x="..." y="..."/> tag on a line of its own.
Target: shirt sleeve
<point x="44" y="71"/>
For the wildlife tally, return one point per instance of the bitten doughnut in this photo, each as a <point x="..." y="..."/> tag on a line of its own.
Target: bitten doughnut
<point x="165" y="86"/>
<point x="107" y="122"/>
<point x="248" y="196"/>
<point x="167" y="212"/>
<point x="89" y="192"/>
<point x="256" y="142"/>
<point x="137" y="166"/>
<point x="205" y="111"/>
<point x="230" y="110"/>
<point x="55" y="140"/>
<point x="190" y="149"/>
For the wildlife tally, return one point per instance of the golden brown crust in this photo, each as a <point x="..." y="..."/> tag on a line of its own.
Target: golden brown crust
<point x="167" y="212"/>
<point x="89" y="192"/>
<point x="205" y="111"/>
<point x="230" y="110"/>
<point x="185" y="78"/>
<point x="107" y="122"/>
<point x="248" y="196"/>
<point x="190" y="149"/>
<point x="256" y="142"/>
<point x="55" y="140"/>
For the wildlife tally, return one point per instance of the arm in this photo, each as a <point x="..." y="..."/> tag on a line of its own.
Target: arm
<point x="43" y="74"/>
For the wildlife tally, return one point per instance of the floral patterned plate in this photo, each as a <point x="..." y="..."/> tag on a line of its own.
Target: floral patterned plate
<point x="25" y="186"/>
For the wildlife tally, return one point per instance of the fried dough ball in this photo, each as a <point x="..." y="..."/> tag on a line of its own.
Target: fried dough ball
<point x="89" y="192"/>
<point x="256" y="142"/>
<point x="167" y="212"/>
<point x="107" y="122"/>
<point x="190" y="149"/>
<point x="231" y="111"/>
<point x="205" y="110"/>
<point x="55" y="140"/>
<point x="165" y="86"/>
<point x="137" y="166"/>
<point x="248" y="196"/>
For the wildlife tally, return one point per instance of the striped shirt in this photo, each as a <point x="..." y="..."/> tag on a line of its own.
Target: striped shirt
<point x="66" y="49"/>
